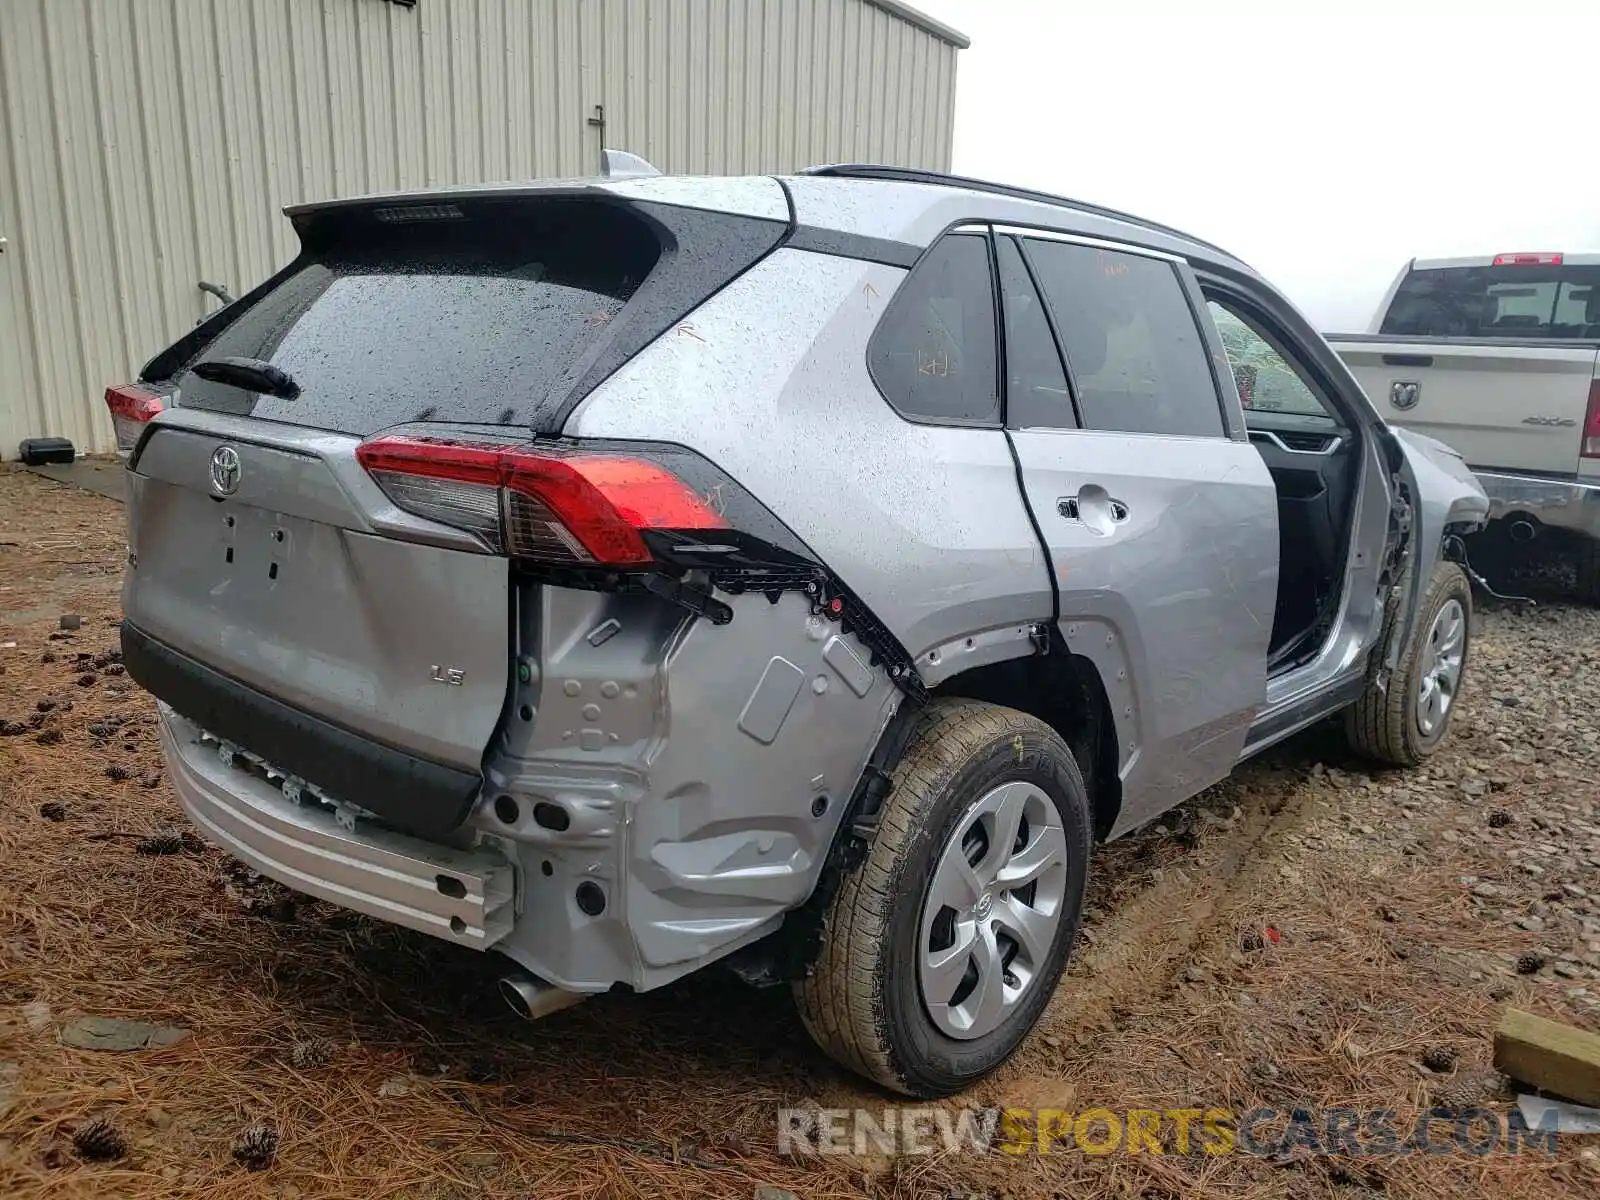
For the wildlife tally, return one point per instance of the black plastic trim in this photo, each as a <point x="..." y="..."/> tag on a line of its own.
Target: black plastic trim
<point x="412" y="794"/>
<point x="854" y="245"/>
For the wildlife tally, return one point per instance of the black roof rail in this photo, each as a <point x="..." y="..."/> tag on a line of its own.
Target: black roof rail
<point x="913" y="175"/>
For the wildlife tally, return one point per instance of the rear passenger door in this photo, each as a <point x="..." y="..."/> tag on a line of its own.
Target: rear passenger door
<point x="1162" y="529"/>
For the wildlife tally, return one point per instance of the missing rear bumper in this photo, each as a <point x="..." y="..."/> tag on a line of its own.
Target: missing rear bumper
<point x="462" y="896"/>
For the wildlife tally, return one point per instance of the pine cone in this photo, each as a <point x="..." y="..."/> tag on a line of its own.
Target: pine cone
<point x="88" y="679"/>
<point x="1528" y="963"/>
<point x="191" y="843"/>
<point x="100" y="1141"/>
<point x="1499" y="819"/>
<point x="1459" y="1093"/>
<point x="1439" y="1058"/>
<point x="166" y="842"/>
<point x="45" y="705"/>
<point x="117" y="773"/>
<point x="49" y="737"/>
<point x="53" y="810"/>
<point x="115" y="669"/>
<point x="12" y="728"/>
<point x="311" y="1054"/>
<point x="255" y="1146"/>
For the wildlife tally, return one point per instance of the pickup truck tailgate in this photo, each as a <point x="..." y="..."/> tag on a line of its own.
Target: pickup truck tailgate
<point x="1500" y="406"/>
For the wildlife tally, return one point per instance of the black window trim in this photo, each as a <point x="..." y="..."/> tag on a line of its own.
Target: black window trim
<point x="1182" y="273"/>
<point x="1050" y="325"/>
<point x="976" y="227"/>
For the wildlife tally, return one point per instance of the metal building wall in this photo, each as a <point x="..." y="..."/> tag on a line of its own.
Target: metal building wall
<point x="149" y="144"/>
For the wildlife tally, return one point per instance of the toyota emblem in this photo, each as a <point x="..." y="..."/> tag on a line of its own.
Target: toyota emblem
<point x="225" y="471"/>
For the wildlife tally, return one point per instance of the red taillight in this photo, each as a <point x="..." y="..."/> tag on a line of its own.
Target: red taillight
<point x="551" y="505"/>
<point x="131" y="408"/>
<point x="1590" y="446"/>
<point x="1536" y="259"/>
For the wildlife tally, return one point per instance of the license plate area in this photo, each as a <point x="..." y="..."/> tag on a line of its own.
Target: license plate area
<point x="258" y="548"/>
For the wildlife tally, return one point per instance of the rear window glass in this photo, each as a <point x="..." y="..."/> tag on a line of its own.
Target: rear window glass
<point x="933" y="354"/>
<point x="469" y="318"/>
<point x="1528" y="301"/>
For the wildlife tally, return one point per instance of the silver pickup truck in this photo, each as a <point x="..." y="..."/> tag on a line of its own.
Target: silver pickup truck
<point x="1496" y="356"/>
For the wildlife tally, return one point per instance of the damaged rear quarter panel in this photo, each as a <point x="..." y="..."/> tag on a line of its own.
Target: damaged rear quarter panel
<point x="702" y="771"/>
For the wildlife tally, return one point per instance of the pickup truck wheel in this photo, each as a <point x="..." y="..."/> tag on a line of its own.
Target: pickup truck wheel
<point x="940" y="951"/>
<point x="1588" y="571"/>
<point x="1405" y="722"/>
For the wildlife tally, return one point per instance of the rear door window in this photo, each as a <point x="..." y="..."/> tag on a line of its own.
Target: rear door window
<point x="1136" y="355"/>
<point x="1544" y="301"/>
<point x="933" y="354"/>
<point x="467" y="318"/>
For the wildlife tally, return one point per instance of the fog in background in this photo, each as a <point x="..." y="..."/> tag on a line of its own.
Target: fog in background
<point x="1325" y="142"/>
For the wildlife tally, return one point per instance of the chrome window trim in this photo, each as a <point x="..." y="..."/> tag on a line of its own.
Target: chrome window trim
<point x="1078" y="239"/>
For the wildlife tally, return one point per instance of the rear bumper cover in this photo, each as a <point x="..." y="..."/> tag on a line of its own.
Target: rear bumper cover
<point x="412" y="794"/>
<point x="460" y="895"/>
<point x="1559" y="503"/>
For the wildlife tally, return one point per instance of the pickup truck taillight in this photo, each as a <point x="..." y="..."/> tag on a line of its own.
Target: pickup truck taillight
<point x="550" y="505"/>
<point x="131" y="407"/>
<point x="1590" y="446"/>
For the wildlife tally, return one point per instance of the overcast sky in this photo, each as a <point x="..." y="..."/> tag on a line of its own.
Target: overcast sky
<point x="1325" y="142"/>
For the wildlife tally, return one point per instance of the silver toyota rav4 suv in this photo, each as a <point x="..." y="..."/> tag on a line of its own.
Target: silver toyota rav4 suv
<point x="629" y="574"/>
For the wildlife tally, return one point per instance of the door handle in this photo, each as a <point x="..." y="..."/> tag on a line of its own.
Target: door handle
<point x="1092" y="507"/>
<point x="1067" y="506"/>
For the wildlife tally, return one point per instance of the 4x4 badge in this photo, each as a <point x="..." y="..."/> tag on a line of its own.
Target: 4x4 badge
<point x="225" y="470"/>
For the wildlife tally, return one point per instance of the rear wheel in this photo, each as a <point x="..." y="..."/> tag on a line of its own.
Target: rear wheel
<point x="1588" y="571"/>
<point x="942" y="949"/>
<point x="1406" y="721"/>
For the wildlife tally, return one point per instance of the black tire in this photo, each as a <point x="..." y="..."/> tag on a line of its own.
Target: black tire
<point x="1587" y="563"/>
<point x="1383" y="724"/>
<point x="861" y="1000"/>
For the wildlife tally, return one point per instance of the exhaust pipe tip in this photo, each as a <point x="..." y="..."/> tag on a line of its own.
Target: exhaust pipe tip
<point x="532" y="998"/>
<point x="1523" y="531"/>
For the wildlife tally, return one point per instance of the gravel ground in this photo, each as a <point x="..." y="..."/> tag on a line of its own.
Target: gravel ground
<point x="1311" y="933"/>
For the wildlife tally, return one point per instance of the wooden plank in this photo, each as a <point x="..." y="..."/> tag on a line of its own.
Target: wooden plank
<point x="1548" y="1055"/>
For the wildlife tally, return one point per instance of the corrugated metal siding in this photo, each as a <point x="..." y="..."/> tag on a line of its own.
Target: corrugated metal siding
<point x="149" y="144"/>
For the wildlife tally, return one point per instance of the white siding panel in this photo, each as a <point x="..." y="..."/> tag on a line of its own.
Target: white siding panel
<point x="146" y="145"/>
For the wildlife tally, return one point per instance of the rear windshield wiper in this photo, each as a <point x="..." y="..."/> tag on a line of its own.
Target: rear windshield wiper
<point x="252" y="374"/>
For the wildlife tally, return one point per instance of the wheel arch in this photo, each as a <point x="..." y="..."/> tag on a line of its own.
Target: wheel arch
<point x="1065" y="691"/>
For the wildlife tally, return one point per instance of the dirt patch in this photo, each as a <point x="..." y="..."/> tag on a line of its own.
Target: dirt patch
<point x="1311" y="933"/>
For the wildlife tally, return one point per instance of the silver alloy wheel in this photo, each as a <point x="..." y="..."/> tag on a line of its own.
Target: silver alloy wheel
<point x="1442" y="656"/>
<point x="992" y="909"/>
